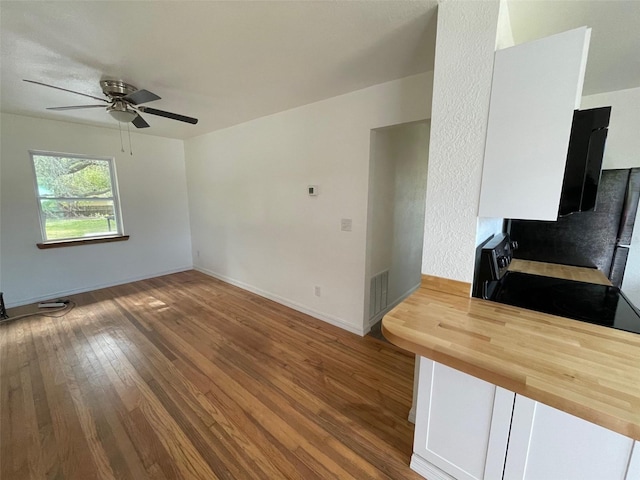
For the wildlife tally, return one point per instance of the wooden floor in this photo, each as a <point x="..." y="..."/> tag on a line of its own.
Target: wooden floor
<point x="184" y="376"/>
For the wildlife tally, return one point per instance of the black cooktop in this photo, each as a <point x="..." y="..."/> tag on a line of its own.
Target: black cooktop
<point x="588" y="302"/>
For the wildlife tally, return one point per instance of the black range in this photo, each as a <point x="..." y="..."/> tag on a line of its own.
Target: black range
<point x="587" y="302"/>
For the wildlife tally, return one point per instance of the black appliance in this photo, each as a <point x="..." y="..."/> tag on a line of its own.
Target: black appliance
<point x="597" y="239"/>
<point x="588" y="302"/>
<point x="584" y="160"/>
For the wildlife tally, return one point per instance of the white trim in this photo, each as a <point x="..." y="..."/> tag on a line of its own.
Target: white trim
<point x="414" y="399"/>
<point x="427" y="470"/>
<point x="115" y="194"/>
<point x="376" y="318"/>
<point x="412" y="415"/>
<point x="73" y="291"/>
<point x="338" y="322"/>
<point x="51" y="153"/>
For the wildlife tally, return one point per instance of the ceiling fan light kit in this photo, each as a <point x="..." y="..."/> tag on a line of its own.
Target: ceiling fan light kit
<point x="120" y="112"/>
<point x="122" y="103"/>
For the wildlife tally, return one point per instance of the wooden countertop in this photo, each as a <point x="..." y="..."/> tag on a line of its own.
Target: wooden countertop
<point x="589" y="371"/>
<point x="581" y="274"/>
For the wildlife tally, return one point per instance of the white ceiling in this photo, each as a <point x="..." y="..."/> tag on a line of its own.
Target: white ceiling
<point x="614" y="53"/>
<point x="227" y="62"/>
<point x="223" y="62"/>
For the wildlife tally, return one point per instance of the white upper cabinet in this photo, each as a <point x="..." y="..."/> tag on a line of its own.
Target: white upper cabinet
<point x="536" y="87"/>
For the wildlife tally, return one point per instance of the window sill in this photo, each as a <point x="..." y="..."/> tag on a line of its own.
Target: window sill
<point x="82" y="241"/>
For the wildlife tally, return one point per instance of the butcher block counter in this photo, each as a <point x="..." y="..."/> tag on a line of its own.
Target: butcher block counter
<point x="589" y="371"/>
<point x="568" y="272"/>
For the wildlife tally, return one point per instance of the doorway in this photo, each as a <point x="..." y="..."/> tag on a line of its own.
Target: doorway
<point x="398" y="162"/>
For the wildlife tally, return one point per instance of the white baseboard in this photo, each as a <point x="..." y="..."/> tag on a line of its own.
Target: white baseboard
<point x="73" y="291"/>
<point x="427" y="470"/>
<point x="378" y="317"/>
<point x="286" y="302"/>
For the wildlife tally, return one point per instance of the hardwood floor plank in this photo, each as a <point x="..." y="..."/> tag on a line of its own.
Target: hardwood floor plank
<point x="246" y="387"/>
<point x="70" y="445"/>
<point x="48" y="451"/>
<point x="211" y="369"/>
<point x="188" y="463"/>
<point x="181" y="451"/>
<point x="186" y="377"/>
<point x="18" y="417"/>
<point x="212" y="423"/>
<point x="152" y="453"/>
<point x="6" y="441"/>
<point x="296" y="377"/>
<point x="105" y="405"/>
<point x="144" y="441"/>
<point x="30" y="426"/>
<point x="294" y="392"/>
<point x="89" y="415"/>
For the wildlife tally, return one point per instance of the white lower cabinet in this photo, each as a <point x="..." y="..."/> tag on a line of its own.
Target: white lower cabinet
<point x="546" y="443"/>
<point x="469" y="429"/>
<point x="462" y="425"/>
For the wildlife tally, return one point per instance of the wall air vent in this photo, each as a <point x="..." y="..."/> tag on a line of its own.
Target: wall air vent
<point x="379" y="288"/>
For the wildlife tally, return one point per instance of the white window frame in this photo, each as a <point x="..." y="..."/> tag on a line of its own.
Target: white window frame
<point x="114" y="192"/>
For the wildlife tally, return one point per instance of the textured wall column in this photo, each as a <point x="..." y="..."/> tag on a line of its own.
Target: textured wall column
<point x="465" y="47"/>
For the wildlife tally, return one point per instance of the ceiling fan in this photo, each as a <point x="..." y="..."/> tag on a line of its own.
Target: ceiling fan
<point x="123" y="103"/>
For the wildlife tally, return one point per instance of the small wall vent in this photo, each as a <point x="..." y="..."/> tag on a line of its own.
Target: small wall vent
<point x="378" y="293"/>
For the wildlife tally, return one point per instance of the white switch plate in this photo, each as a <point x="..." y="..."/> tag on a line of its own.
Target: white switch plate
<point x="345" y="224"/>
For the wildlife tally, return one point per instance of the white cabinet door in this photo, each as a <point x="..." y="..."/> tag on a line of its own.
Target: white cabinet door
<point x="462" y="425"/>
<point x="546" y="444"/>
<point x="536" y="87"/>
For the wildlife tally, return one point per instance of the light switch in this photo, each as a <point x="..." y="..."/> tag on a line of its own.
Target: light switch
<point x="345" y="224"/>
<point x="312" y="190"/>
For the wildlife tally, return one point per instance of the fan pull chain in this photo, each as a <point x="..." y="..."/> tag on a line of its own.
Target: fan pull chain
<point x="129" y="131"/>
<point x="121" y="144"/>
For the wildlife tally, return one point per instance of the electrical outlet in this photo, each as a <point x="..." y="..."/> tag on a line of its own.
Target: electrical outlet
<point x="317" y="291"/>
<point x="345" y="224"/>
<point x="198" y="253"/>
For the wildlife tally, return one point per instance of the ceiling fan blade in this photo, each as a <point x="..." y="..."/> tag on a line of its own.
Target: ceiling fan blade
<point x="140" y="122"/>
<point x="66" y="90"/>
<point x="140" y="96"/>
<point x="75" y="107"/>
<point x="172" y="116"/>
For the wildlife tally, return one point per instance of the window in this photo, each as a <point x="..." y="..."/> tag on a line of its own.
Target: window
<point x="77" y="197"/>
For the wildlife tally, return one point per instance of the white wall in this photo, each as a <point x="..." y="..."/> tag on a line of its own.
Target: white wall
<point x="623" y="151"/>
<point x="465" y="47"/>
<point x="0" y="209"/>
<point x="504" y="35"/>
<point x="153" y="198"/>
<point x="397" y="188"/>
<point x="623" y="141"/>
<point x="252" y="222"/>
